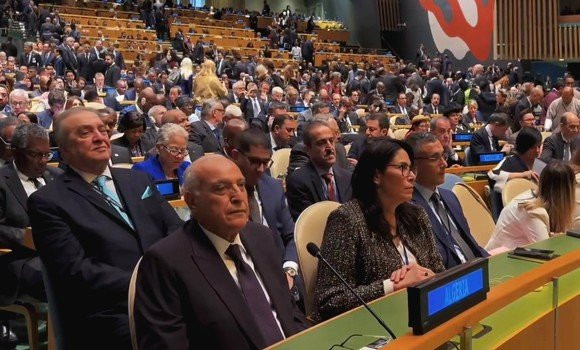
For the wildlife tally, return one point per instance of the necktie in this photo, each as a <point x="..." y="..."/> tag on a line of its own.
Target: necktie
<point x="111" y="198"/>
<point x="255" y="297"/>
<point x="217" y="134"/>
<point x="256" y="108"/>
<point x="566" y="152"/>
<point x="37" y="184"/>
<point x="455" y="236"/>
<point x="331" y="192"/>
<point x="435" y="110"/>
<point x="255" y="214"/>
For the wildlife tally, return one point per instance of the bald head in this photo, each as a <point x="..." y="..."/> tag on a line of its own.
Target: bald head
<point x="176" y="116"/>
<point x="536" y="95"/>
<point x="567" y="95"/>
<point x="147" y="99"/>
<point x="232" y="129"/>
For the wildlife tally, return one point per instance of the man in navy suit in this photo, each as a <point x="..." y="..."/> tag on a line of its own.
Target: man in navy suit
<point x="217" y="280"/>
<point x="91" y="225"/>
<point x="454" y="240"/>
<point x="207" y="132"/>
<point x="320" y="179"/>
<point x="487" y="138"/>
<point x="253" y="155"/>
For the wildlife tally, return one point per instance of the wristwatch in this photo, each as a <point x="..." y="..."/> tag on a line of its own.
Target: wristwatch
<point x="291" y="271"/>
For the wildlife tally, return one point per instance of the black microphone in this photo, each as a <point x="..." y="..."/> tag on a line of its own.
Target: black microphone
<point x="315" y="252"/>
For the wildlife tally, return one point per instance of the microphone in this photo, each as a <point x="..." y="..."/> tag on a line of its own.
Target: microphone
<point x="315" y="252"/>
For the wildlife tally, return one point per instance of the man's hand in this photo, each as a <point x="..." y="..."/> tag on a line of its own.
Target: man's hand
<point x="290" y="280"/>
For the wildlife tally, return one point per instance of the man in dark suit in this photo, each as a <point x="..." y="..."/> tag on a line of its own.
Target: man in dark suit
<point x="47" y="57"/>
<point x="441" y="128"/>
<point x="86" y="59"/>
<point x="69" y="56"/>
<point x="401" y="108"/>
<point x="454" y="239"/>
<point x="434" y="107"/>
<point x="208" y="132"/>
<point x="321" y="179"/>
<point x="115" y="97"/>
<point x="561" y="145"/>
<point x="487" y="138"/>
<point x="283" y="127"/>
<point x="113" y="73"/>
<point x="377" y="126"/>
<point x="252" y="154"/>
<point x="308" y="51"/>
<point x="118" y="57"/>
<point x="436" y="86"/>
<point x="20" y="270"/>
<point x="91" y="226"/>
<point x="252" y="106"/>
<point x="218" y="280"/>
<point x="238" y="93"/>
<point x="119" y="154"/>
<point x="29" y="57"/>
<point x="527" y="104"/>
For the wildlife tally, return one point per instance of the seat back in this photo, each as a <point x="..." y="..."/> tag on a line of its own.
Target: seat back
<point x="478" y="217"/>
<point x="467" y="152"/>
<point x="56" y="323"/>
<point x="450" y="181"/>
<point x="400" y="134"/>
<point x="310" y="228"/>
<point x="515" y="187"/>
<point x="281" y="159"/>
<point x="131" y="303"/>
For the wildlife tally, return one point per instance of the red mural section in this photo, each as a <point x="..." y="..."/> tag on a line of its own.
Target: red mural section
<point x="478" y="38"/>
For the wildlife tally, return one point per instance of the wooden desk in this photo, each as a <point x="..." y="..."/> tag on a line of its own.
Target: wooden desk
<point x="337" y="35"/>
<point x="470" y="169"/>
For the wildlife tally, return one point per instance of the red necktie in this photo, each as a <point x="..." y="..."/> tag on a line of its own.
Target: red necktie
<point x="330" y="187"/>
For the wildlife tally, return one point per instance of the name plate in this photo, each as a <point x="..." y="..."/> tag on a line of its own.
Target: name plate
<point x="446" y="295"/>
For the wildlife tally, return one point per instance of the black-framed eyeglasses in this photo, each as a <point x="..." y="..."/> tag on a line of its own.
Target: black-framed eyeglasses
<point x="6" y="143"/>
<point x="38" y="155"/>
<point x="405" y="168"/>
<point x="256" y="162"/>
<point x="435" y="158"/>
<point x="174" y="151"/>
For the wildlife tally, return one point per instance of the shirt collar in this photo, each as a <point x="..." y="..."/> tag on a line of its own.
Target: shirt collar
<point x="88" y="177"/>
<point x="425" y="192"/>
<point x="21" y="176"/>
<point x="211" y="126"/>
<point x="139" y="110"/>
<point x="273" y="141"/>
<point x="321" y="171"/>
<point x="488" y="130"/>
<point x="220" y="244"/>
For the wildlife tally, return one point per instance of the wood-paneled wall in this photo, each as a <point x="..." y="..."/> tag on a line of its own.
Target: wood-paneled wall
<point x="389" y="15"/>
<point x="531" y="29"/>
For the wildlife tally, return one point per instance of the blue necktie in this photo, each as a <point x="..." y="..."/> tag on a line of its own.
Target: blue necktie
<point x="111" y="198"/>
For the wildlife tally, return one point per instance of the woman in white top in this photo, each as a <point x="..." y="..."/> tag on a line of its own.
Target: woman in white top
<point x="533" y="217"/>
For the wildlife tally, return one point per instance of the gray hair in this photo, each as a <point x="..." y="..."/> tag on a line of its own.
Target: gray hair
<point x="435" y="121"/>
<point x="24" y="132"/>
<point x="59" y="133"/>
<point x="207" y="108"/>
<point x="154" y="110"/>
<point x="417" y="140"/>
<point x="18" y="93"/>
<point x="6" y="122"/>
<point x="239" y="83"/>
<point x="278" y="90"/>
<point x="167" y="130"/>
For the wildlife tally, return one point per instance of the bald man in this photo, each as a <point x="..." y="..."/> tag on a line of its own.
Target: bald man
<point x="147" y="98"/>
<point x="528" y="104"/>
<point x="561" y="145"/>
<point x="232" y="129"/>
<point x="218" y="280"/>
<point x="565" y="103"/>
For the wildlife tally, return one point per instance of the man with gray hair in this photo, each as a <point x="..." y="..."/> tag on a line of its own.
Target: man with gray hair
<point x="29" y="57"/>
<point x="18" y="180"/>
<point x="208" y="132"/>
<point x="68" y="55"/>
<point x="18" y="102"/>
<point x="565" y="103"/>
<point x="238" y="93"/>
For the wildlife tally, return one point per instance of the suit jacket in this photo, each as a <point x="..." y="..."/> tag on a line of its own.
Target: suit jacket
<point x="277" y="215"/>
<point x="86" y="65"/>
<point x="34" y="60"/>
<point x="183" y="281"/>
<point x="247" y="107"/>
<point x="365" y="258"/>
<point x="119" y="60"/>
<point x="444" y="243"/>
<point x="553" y="148"/>
<point x="480" y="144"/>
<point x="429" y="109"/>
<point x="120" y="154"/>
<point x="69" y="58"/>
<point x="144" y="144"/>
<point x="436" y="86"/>
<point x="202" y="135"/>
<point x="465" y="121"/>
<point x="47" y="59"/>
<point x="14" y="221"/>
<point x="45" y="118"/>
<point x="304" y="188"/>
<point x="112" y="74"/>
<point x="299" y="157"/>
<point x="89" y="250"/>
<point x="152" y="166"/>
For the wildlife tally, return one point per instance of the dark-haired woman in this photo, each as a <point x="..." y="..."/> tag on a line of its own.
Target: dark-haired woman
<point x="133" y="127"/>
<point x="378" y="241"/>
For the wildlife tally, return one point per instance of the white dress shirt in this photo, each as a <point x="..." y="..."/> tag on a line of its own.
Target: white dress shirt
<point x="408" y="259"/>
<point x="28" y="185"/>
<point x="88" y="177"/>
<point x="221" y="245"/>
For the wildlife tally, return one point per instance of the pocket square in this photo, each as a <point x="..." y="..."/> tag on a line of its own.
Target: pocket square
<point x="148" y="193"/>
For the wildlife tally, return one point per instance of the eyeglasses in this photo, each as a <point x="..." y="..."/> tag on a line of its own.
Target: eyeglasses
<point x="38" y="155"/>
<point x="435" y="158"/>
<point x="256" y="162"/>
<point x="174" y="151"/>
<point x="405" y="168"/>
<point x="6" y="143"/>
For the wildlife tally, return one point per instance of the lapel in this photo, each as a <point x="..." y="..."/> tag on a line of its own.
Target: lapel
<point x="15" y="185"/>
<point x="316" y="181"/>
<point x="129" y="195"/>
<point x="341" y="183"/>
<point x="218" y="277"/>
<point x="460" y="222"/>
<point x="213" y="138"/>
<point x="77" y="184"/>
<point x="268" y="208"/>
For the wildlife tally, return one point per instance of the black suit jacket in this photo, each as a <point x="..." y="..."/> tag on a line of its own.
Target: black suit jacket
<point x="89" y="251"/>
<point x="13" y="223"/>
<point x="480" y="144"/>
<point x="47" y="59"/>
<point x="34" y="60"/>
<point x="429" y="109"/>
<point x="304" y="188"/>
<point x="86" y="65"/>
<point x="120" y="154"/>
<point x="553" y="148"/>
<point x="202" y="135"/>
<point x="444" y="243"/>
<point x="112" y="74"/>
<point x="183" y="281"/>
<point x="521" y="107"/>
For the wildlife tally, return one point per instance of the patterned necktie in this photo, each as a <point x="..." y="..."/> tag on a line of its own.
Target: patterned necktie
<point x="36" y="182"/>
<point x="255" y="297"/>
<point x="255" y="213"/>
<point x="567" y="152"/>
<point x="331" y="192"/>
<point x="455" y="236"/>
<point x="256" y="108"/>
<point x="111" y="198"/>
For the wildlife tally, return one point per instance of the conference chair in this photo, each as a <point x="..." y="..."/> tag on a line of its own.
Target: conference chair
<point x="476" y="212"/>
<point x="467" y="152"/>
<point x="132" y="286"/>
<point x="451" y="180"/>
<point x="310" y="228"/>
<point x="515" y="187"/>
<point x="400" y="134"/>
<point x="545" y="134"/>
<point x="393" y="119"/>
<point x="281" y="159"/>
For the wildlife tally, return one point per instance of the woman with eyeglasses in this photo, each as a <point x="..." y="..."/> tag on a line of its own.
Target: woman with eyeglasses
<point x="378" y="241"/>
<point x="171" y="148"/>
